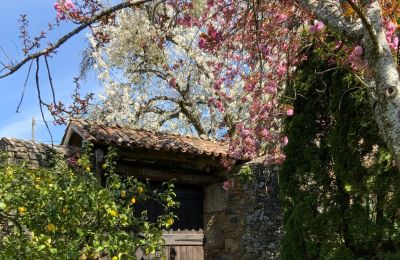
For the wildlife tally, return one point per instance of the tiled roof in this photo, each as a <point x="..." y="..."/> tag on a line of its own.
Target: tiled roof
<point x="123" y="136"/>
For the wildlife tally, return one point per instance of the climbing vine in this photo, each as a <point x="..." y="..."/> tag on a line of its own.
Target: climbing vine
<point x="339" y="187"/>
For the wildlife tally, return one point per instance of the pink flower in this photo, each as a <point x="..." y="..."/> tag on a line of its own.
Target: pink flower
<point x="391" y="38"/>
<point x="271" y="88"/>
<point x="290" y="112"/>
<point x="285" y="140"/>
<point x="64" y="7"/>
<point x="246" y="132"/>
<point x="281" y="18"/>
<point x="225" y="185"/>
<point x="219" y="106"/>
<point x="281" y="70"/>
<point x="317" y="27"/>
<point x="355" y="58"/>
<point x="249" y="87"/>
<point x="265" y="133"/>
<point x="172" y="82"/>
<point x="338" y="45"/>
<point x="202" y="43"/>
<point x="210" y="3"/>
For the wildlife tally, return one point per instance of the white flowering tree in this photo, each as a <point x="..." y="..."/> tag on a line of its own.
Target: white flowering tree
<point x="168" y="87"/>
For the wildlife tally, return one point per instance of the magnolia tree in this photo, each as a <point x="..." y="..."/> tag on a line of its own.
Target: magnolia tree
<point x="223" y="64"/>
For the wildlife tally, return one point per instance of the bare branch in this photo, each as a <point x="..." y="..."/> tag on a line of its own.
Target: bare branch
<point x="66" y="37"/>
<point x="50" y="80"/>
<point x="366" y="23"/>
<point x="24" y="88"/>
<point x="41" y="103"/>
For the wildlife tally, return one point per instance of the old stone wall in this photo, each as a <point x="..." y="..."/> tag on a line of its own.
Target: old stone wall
<point x="33" y="154"/>
<point x="245" y="221"/>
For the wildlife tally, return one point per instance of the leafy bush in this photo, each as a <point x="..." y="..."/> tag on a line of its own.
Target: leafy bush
<point x="64" y="212"/>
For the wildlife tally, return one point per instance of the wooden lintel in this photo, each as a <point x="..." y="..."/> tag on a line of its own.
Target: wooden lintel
<point x="140" y="153"/>
<point x="165" y="175"/>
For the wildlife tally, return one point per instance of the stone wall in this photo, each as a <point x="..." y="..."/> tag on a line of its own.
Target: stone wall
<point x="245" y="221"/>
<point x="33" y="154"/>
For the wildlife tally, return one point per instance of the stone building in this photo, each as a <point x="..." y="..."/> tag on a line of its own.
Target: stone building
<point x="243" y="222"/>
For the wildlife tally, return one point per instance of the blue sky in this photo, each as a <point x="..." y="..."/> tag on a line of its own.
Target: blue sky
<point x="64" y="66"/>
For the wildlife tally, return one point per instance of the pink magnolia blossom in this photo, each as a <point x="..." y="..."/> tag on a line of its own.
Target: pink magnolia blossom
<point x="246" y="132"/>
<point x="265" y="133"/>
<point x="271" y="88"/>
<point x="285" y="140"/>
<point x="289" y="111"/>
<point x="172" y="82"/>
<point x="202" y="43"/>
<point x="390" y="30"/>
<point x="317" y="27"/>
<point x="229" y="184"/>
<point x="355" y="58"/>
<point x="281" y="18"/>
<point x="281" y="70"/>
<point x="225" y="185"/>
<point x="64" y="7"/>
<point x="219" y="105"/>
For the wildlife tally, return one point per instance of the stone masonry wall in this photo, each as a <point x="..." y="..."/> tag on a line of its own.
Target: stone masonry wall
<point x="33" y="154"/>
<point x="245" y="221"/>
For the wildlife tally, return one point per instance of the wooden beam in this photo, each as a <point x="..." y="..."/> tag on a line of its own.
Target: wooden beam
<point x="166" y="175"/>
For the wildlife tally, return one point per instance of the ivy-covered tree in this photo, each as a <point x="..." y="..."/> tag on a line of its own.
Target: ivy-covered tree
<point x="339" y="186"/>
<point x="64" y="213"/>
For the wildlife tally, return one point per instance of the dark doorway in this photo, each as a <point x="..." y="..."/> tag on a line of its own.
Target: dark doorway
<point x="190" y="212"/>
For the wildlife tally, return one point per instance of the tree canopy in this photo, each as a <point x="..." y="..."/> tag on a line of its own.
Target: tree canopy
<point x="221" y="67"/>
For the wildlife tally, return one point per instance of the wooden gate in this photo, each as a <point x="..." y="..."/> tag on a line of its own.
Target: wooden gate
<point x="179" y="245"/>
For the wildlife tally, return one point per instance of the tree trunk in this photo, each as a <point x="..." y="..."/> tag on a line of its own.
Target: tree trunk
<point x="384" y="82"/>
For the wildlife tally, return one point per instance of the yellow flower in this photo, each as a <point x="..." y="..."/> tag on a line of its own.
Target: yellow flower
<point x="114" y="258"/>
<point x="170" y="221"/>
<point x="9" y="170"/>
<point x="113" y="212"/>
<point x="50" y="227"/>
<point x="140" y="189"/>
<point x="21" y="210"/>
<point x="133" y="200"/>
<point x="88" y="169"/>
<point x="123" y="194"/>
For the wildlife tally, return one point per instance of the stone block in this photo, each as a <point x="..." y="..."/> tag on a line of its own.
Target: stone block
<point x="23" y="156"/>
<point x="216" y="198"/>
<point x="231" y="245"/>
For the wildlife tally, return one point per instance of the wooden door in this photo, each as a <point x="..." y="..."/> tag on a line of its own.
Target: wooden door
<point x="179" y="245"/>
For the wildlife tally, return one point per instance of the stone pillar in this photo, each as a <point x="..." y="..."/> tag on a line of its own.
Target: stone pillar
<point x="245" y="221"/>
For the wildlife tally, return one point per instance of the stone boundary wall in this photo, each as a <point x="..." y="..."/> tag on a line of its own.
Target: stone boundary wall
<point x="245" y="221"/>
<point x="33" y="154"/>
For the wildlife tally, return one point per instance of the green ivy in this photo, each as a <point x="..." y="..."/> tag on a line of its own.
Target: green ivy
<point x="339" y="189"/>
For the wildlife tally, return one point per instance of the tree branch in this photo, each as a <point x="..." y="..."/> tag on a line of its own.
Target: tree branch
<point x="366" y="24"/>
<point x="330" y="13"/>
<point x="66" y="37"/>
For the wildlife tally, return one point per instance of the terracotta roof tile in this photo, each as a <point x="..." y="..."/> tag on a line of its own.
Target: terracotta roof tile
<point x="91" y="131"/>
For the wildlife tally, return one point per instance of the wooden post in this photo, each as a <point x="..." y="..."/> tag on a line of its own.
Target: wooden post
<point x="33" y="129"/>
<point x="99" y="155"/>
